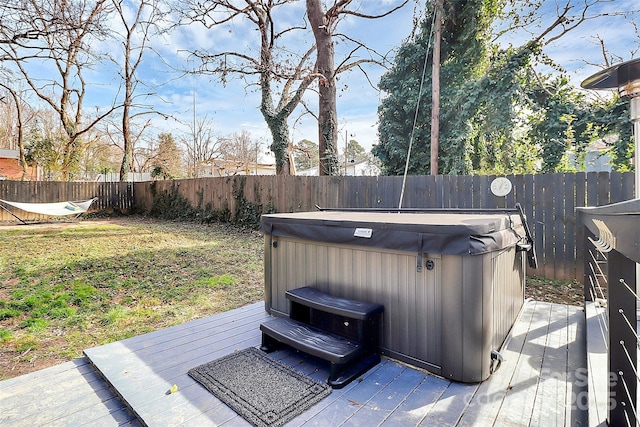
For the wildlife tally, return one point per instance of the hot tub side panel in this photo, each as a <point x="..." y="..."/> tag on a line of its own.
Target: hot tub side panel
<point x="466" y="326"/>
<point x="267" y="273"/>
<point x="508" y="281"/>
<point x="412" y="317"/>
<point x="446" y="318"/>
<point x="481" y="298"/>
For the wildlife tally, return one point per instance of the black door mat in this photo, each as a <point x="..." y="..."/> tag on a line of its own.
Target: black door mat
<point x="264" y="391"/>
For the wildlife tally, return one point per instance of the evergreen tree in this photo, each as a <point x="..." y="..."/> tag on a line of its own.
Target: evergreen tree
<point x="305" y="154"/>
<point x="464" y="57"/>
<point x="354" y="152"/>
<point x="167" y="164"/>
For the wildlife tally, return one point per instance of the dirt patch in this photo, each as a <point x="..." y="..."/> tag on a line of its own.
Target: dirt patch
<point x="47" y="225"/>
<point x="16" y="364"/>
<point x="556" y="291"/>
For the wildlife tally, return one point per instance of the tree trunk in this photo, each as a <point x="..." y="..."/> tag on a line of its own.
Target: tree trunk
<point x="280" y="146"/>
<point x="125" y="167"/>
<point x="325" y="67"/>
<point x="20" y="125"/>
<point x="70" y="157"/>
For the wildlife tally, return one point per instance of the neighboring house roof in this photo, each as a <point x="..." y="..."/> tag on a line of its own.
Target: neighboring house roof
<point x="9" y="154"/>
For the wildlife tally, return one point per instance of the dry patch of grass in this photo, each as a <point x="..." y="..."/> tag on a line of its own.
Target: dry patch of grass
<point x="68" y="287"/>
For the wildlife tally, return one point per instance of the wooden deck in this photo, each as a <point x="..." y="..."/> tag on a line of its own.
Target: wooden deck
<point x="537" y="384"/>
<point x="71" y="394"/>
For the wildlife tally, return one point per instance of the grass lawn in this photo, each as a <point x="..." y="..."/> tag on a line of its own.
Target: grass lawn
<point x="66" y="287"/>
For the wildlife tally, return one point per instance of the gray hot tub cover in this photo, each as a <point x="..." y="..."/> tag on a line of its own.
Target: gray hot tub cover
<point x="443" y="233"/>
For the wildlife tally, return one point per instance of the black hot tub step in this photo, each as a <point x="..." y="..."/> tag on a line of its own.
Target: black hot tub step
<point x="316" y="299"/>
<point x="310" y="340"/>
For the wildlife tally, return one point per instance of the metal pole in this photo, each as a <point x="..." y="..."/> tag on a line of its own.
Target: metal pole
<point x="634" y="112"/>
<point x="634" y="109"/>
<point x="346" y="145"/>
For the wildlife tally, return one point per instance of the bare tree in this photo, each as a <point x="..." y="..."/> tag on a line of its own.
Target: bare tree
<point x="16" y="27"/>
<point x="113" y="133"/>
<point x="139" y="20"/>
<point x="144" y="155"/>
<point x="239" y="151"/>
<point x="544" y="25"/>
<point x="240" y="147"/>
<point x="324" y="25"/>
<point x="62" y="31"/>
<point x="272" y="66"/>
<point x="100" y="156"/>
<point x="20" y="124"/>
<point x="201" y="145"/>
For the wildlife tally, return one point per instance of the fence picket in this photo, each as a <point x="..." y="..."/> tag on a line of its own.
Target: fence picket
<point x="548" y="200"/>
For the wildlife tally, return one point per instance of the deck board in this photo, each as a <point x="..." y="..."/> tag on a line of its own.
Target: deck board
<point x="419" y="401"/>
<point x="144" y="371"/>
<point x="597" y="364"/>
<point x="534" y="385"/>
<point x="524" y="384"/>
<point x="488" y="400"/>
<point x="577" y="396"/>
<point x="552" y="377"/>
<point x="69" y="394"/>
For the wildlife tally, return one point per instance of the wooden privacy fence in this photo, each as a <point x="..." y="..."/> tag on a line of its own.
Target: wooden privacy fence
<point x="111" y="196"/>
<point x="549" y="201"/>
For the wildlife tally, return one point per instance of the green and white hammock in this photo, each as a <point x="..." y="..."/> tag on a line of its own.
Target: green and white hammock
<point x="76" y="208"/>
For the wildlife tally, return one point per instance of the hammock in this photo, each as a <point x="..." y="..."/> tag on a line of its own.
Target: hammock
<point x="52" y="209"/>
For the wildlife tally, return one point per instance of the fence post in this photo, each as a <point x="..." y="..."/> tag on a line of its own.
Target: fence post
<point x="622" y="340"/>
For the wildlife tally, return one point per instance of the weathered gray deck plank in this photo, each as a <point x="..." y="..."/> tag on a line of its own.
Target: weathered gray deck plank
<point x="597" y="364"/>
<point x="577" y="401"/>
<point x="537" y="382"/>
<point x="356" y="399"/>
<point x="391" y="399"/>
<point x="69" y="394"/>
<point x="550" y="400"/>
<point x="143" y="372"/>
<point x="532" y="387"/>
<point x="378" y="409"/>
<point x="522" y="390"/>
<point x="448" y="410"/>
<point x="489" y="398"/>
<point x="418" y="402"/>
<point x="336" y="395"/>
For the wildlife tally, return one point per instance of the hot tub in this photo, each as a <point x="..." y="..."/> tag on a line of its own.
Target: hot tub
<point x="452" y="284"/>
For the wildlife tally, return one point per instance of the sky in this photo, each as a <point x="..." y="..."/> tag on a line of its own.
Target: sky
<point x="234" y="106"/>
